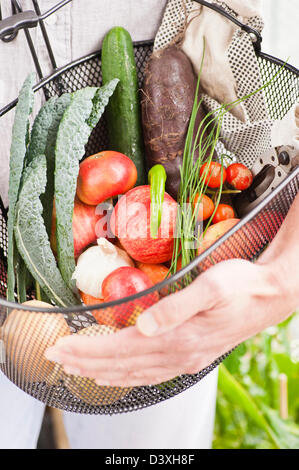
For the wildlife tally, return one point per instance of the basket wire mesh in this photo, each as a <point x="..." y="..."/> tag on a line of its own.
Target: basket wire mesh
<point x="21" y="352"/>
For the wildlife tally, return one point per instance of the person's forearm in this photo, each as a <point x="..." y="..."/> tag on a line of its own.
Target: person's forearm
<point x="282" y="255"/>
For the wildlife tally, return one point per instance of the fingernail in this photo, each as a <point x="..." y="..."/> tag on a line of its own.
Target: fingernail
<point x="147" y="324"/>
<point x="102" y="383"/>
<point x="71" y="370"/>
<point x="53" y="356"/>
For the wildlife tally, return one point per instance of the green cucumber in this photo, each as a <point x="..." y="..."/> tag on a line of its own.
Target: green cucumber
<point x="123" y="111"/>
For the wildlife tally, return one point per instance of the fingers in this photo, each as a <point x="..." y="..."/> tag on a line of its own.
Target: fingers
<point x="95" y="368"/>
<point x="152" y="376"/>
<point x="124" y="343"/>
<point x="177" y="308"/>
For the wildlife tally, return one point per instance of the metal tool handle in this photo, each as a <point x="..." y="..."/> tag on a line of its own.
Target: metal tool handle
<point x="254" y="34"/>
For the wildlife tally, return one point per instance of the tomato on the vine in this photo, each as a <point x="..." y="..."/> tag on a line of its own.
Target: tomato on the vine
<point x="223" y="212"/>
<point x="239" y="176"/>
<point x="212" y="173"/>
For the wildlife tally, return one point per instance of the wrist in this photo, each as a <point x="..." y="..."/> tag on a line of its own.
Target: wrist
<point x="285" y="285"/>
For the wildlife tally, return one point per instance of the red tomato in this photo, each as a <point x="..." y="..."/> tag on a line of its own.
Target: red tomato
<point x="206" y="207"/>
<point x="223" y="212"/>
<point x="105" y="175"/>
<point x="212" y="172"/>
<point x="239" y="176"/>
<point x="124" y="282"/>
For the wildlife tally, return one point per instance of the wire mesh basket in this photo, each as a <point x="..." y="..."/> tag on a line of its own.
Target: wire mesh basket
<point x="21" y="354"/>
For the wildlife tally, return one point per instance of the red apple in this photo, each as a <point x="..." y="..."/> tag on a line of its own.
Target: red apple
<point x="130" y="222"/>
<point x="105" y="175"/>
<point x="125" y="282"/>
<point x="86" y="229"/>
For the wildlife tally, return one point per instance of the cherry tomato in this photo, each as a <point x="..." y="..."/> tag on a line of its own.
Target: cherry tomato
<point x="206" y="207"/>
<point x="223" y="212"/>
<point x="213" y="172"/>
<point x="239" y="176"/>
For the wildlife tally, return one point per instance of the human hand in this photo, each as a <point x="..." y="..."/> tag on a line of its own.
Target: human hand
<point x="184" y="332"/>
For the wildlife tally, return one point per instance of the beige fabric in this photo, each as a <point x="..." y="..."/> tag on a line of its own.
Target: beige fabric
<point x="75" y="30"/>
<point x="217" y="79"/>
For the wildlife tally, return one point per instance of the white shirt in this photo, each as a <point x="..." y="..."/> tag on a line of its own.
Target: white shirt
<point x="75" y="30"/>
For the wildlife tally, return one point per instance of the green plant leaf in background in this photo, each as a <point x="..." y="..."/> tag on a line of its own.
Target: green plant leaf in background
<point x="287" y="432"/>
<point x="233" y="361"/>
<point x="234" y="390"/>
<point x="32" y="238"/>
<point x="83" y="113"/>
<point x="20" y="138"/>
<point x="248" y="403"/>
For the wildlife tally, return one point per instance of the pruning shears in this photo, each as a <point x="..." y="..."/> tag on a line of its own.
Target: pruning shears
<point x="269" y="171"/>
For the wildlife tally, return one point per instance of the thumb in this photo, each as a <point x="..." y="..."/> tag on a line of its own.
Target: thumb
<point x="177" y="308"/>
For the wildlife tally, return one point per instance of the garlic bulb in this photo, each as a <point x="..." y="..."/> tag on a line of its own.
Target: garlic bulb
<point x="96" y="263"/>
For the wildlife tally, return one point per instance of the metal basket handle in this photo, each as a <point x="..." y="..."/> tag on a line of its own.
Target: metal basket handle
<point x="254" y="34"/>
<point x="9" y="27"/>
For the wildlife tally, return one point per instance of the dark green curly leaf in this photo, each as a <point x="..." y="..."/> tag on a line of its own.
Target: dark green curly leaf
<point x="82" y="115"/>
<point x="43" y="141"/>
<point x="20" y="139"/>
<point x="32" y="238"/>
<point x="21" y="275"/>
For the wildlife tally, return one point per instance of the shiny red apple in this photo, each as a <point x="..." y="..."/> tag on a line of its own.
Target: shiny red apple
<point x="86" y="229"/>
<point x="125" y="282"/>
<point x="130" y="222"/>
